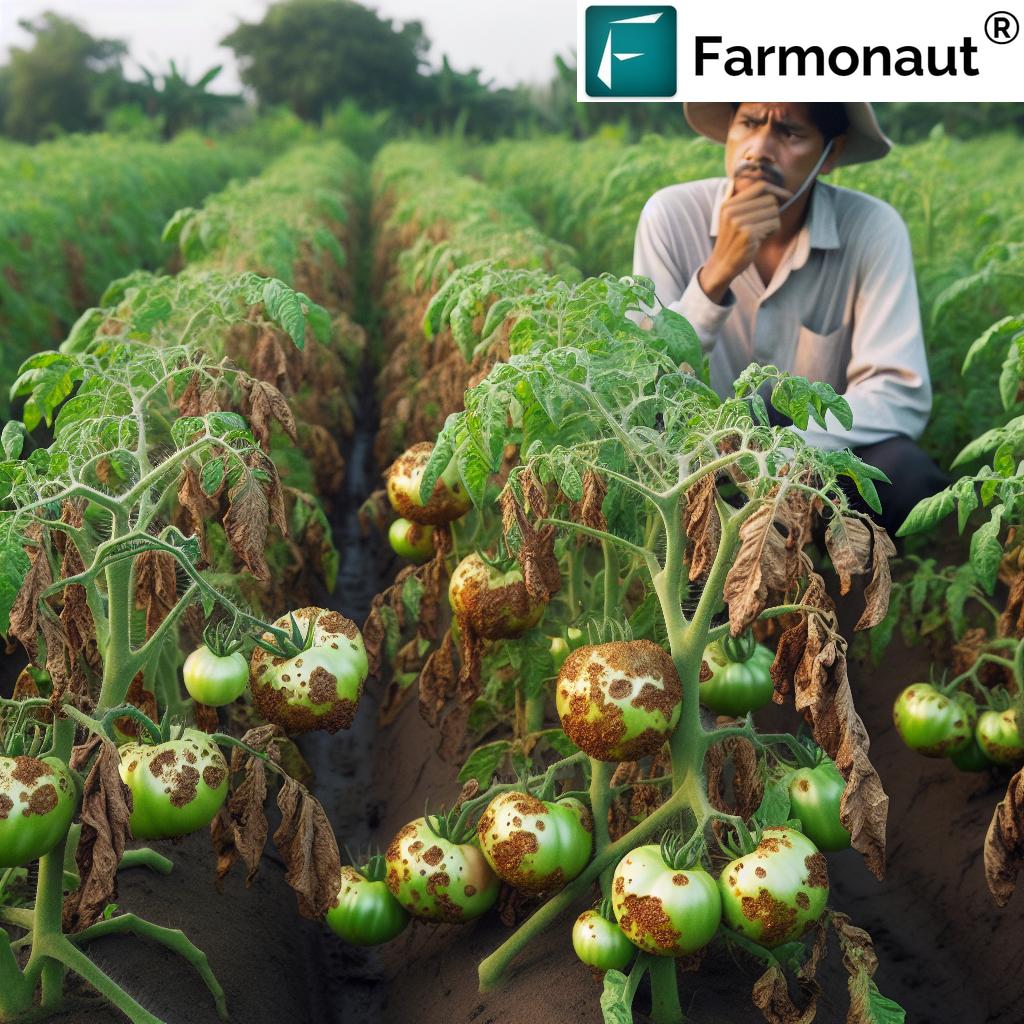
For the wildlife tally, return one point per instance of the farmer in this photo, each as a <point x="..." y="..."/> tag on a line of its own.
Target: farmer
<point x="770" y="265"/>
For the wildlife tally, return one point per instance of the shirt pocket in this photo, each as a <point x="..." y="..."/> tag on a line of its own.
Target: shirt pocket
<point x="822" y="357"/>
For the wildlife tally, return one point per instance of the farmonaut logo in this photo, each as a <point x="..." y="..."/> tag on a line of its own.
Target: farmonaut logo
<point x="630" y="51"/>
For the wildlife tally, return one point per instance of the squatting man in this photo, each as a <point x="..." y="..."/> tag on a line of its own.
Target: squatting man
<point x="771" y="265"/>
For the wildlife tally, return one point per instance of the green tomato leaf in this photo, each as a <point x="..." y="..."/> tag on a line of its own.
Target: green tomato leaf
<point x="774" y="809"/>
<point x="83" y="331"/>
<point x="284" y="308"/>
<point x="927" y="513"/>
<point x="14" y="566"/>
<point x="987" y="551"/>
<point x="483" y="762"/>
<point x="12" y="439"/>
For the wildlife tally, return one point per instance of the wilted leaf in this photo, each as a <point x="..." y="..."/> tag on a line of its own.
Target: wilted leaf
<point x="848" y="542"/>
<point x="105" y="814"/>
<point x="265" y="404"/>
<point x="702" y="525"/>
<point x="307" y="844"/>
<point x="876" y="594"/>
<point x="437" y="680"/>
<point x="1004" y="842"/>
<point x="771" y="996"/>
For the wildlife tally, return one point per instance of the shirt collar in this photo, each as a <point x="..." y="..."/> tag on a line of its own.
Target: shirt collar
<point x="818" y="231"/>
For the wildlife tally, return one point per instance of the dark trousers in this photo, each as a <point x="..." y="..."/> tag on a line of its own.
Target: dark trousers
<point x="914" y="476"/>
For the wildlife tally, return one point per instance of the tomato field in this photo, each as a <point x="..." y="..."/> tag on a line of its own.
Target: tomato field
<point x="396" y="629"/>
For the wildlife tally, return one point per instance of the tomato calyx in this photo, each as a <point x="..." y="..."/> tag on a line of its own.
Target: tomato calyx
<point x="450" y="826"/>
<point x="740" y="648"/>
<point x="680" y="853"/>
<point x="285" y="645"/>
<point x="222" y="639"/>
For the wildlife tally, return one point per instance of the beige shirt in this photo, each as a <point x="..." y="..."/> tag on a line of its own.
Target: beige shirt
<point x="842" y="306"/>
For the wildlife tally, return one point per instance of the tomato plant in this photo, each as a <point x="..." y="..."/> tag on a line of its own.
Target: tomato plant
<point x="663" y="907"/>
<point x="364" y="912"/>
<point x="313" y="678"/>
<point x="177" y="787"/>
<point x="535" y="845"/>
<point x="740" y="680"/>
<point x="439" y="878"/>
<point x="931" y="723"/>
<point x="776" y="891"/>
<point x="38" y="798"/>
<point x="599" y="941"/>
<point x="411" y="540"/>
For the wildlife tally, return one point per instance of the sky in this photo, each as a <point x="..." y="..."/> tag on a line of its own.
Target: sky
<point x="510" y="40"/>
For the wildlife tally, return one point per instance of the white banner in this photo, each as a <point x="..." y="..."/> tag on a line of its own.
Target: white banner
<point x="802" y="50"/>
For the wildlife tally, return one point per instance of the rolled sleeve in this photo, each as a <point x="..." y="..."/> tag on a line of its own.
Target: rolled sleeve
<point x="888" y="386"/>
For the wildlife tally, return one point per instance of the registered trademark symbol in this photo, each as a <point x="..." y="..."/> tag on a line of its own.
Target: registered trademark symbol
<point x="1001" y="27"/>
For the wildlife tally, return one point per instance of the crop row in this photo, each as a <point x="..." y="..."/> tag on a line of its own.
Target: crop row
<point x="80" y="211"/>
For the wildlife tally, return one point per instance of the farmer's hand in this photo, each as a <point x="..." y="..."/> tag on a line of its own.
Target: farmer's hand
<point x="745" y="220"/>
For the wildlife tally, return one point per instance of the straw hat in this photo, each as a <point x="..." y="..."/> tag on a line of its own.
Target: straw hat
<point x="864" y="139"/>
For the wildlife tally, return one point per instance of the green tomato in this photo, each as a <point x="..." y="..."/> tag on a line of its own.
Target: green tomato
<point x="320" y="687"/>
<point x="449" y="501"/>
<point x="619" y="701"/>
<point x="599" y="943"/>
<point x="37" y="802"/>
<point x="661" y="910"/>
<point x="215" y="681"/>
<point x="535" y="845"/>
<point x="776" y="893"/>
<point x="494" y="604"/>
<point x="815" y="795"/>
<point x="999" y="737"/>
<point x="411" y="540"/>
<point x="436" y="879"/>
<point x="561" y="648"/>
<point x="972" y="758"/>
<point x="177" y="787"/>
<point x="737" y="687"/>
<point x="364" y="912"/>
<point x="931" y="723"/>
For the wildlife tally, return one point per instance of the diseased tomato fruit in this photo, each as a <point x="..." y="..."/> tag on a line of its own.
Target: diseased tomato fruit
<point x="364" y="912"/>
<point x="661" y="910"/>
<point x="999" y="737"/>
<point x="599" y="943"/>
<point x="774" y="894"/>
<point x="436" y="879"/>
<point x="177" y="787"/>
<point x="535" y="845"/>
<point x="449" y="500"/>
<point x="318" y="688"/>
<point x="619" y="701"/>
<point x="931" y="723"/>
<point x="37" y="802"/>
<point x="411" y="540"/>
<point x="214" y="680"/>
<point x="815" y="795"/>
<point x="494" y="604"/>
<point x="737" y="687"/>
<point x="972" y="758"/>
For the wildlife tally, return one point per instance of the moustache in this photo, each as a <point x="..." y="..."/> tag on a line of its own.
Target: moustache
<point x="748" y="169"/>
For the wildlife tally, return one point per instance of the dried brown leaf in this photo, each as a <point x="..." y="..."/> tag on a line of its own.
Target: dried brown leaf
<point x="1004" y="842"/>
<point x="876" y="593"/>
<point x="437" y="680"/>
<point x="106" y="811"/>
<point x="848" y="542"/>
<point x="156" y="587"/>
<point x="771" y="996"/>
<point x="264" y="404"/>
<point x="702" y="525"/>
<point x="307" y="844"/>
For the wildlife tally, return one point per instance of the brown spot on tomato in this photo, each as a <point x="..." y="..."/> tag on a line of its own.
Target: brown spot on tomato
<point x="817" y="870"/>
<point x="645" y="916"/>
<point x="161" y="762"/>
<point x="680" y="879"/>
<point x="434" y="856"/>
<point x="775" y="917"/>
<point x="619" y="689"/>
<point x="760" y="872"/>
<point x="43" y="800"/>
<point x="803" y="901"/>
<point x="6" y="805"/>
<point x="28" y="770"/>
<point x="803" y="785"/>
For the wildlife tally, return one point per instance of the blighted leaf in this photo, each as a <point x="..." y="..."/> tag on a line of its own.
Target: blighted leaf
<point x="876" y="593"/>
<point x="155" y="586"/>
<point x="265" y="404"/>
<point x="771" y="996"/>
<point x="25" y="613"/>
<point x="867" y="1004"/>
<point x="848" y="541"/>
<point x="1004" y="842"/>
<point x="760" y="564"/>
<point x="306" y="842"/>
<point x="702" y="525"/>
<point x="437" y="680"/>
<point x="106" y="811"/>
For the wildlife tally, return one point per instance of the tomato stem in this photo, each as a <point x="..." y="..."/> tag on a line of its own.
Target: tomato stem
<point x="665" y="1008"/>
